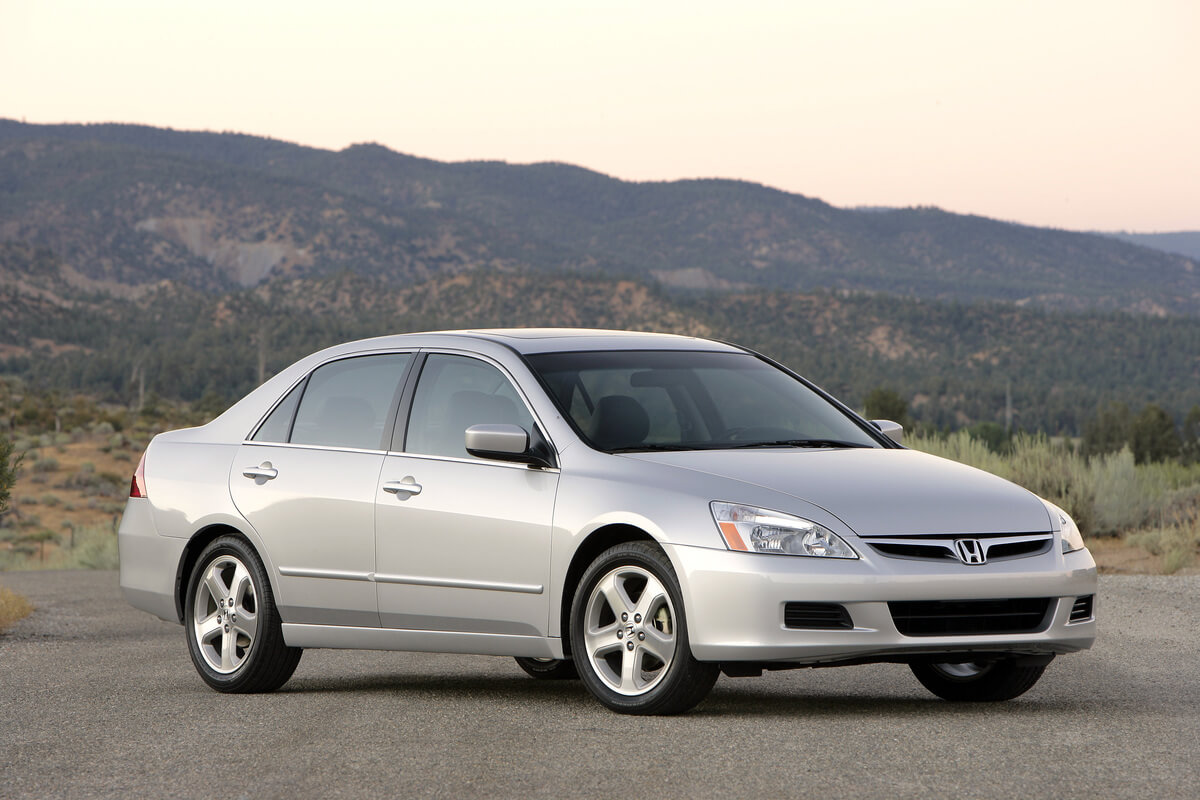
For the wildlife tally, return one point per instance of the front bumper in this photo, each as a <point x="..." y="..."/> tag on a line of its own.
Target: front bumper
<point x="735" y="604"/>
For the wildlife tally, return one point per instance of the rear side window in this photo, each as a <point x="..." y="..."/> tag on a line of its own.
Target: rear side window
<point x="348" y="403"/>
<point x="278" y="425"/>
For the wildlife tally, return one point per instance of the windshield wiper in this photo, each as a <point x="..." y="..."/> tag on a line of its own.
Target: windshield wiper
<point x="800" y="443"/>
<point x="650" y="448"/>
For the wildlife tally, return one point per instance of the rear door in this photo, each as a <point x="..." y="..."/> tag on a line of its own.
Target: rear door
<point x="307" y="480"/>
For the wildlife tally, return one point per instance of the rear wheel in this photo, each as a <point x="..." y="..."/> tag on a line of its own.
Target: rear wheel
<point x="548" y="669"/>
<point x="987" y="681"/>
<point x="232" y="626"/>
<point x="629" y="634"/>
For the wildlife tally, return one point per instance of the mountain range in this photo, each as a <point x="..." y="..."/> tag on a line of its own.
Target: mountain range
<point x="194" y="263"/>
<point x="128" y="205"/>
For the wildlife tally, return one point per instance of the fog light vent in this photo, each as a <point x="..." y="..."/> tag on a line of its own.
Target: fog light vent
<point x="1082" y="610"/>
<point x="821" y="616"/>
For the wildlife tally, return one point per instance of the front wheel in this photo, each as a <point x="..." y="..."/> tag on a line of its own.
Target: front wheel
<point x="988" y="681"/>
<point x="232" y="627"/>
<point x="629" y="634"/>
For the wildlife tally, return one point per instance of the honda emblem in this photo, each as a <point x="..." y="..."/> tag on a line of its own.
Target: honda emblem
<point x="970" y="551"/>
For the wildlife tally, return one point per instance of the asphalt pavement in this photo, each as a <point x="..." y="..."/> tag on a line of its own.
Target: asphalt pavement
<point x="98" y="699"/>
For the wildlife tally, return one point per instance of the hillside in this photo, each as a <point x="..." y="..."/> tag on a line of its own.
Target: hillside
<point x="952" y="361"/>
<point x="131" y="205"/>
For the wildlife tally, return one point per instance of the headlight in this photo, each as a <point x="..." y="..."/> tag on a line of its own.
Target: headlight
<point x="1072" y="539"/>
<point x="757" y="530"/>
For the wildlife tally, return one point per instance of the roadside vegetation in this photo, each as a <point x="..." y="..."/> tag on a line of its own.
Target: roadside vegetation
<point x="65" y="467"/>
<point x="13" y="608"/>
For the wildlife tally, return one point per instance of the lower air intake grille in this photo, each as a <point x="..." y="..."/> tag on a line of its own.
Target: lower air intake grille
<point x="823" y="616"/>
<point x="968" y="617"/>
<point x="1082" y="610"/>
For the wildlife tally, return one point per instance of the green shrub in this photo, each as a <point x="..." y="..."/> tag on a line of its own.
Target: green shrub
<point x="46" y="465"/>
<point x="1126" y="496"/>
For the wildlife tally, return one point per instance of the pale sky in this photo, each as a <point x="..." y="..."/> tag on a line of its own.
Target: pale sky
<point x="1082" y="115"/>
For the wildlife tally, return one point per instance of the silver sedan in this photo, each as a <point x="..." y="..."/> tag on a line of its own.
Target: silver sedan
<point x="640" y="511"/>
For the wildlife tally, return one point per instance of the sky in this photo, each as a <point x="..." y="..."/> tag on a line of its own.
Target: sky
<point x="1078" y="115"/>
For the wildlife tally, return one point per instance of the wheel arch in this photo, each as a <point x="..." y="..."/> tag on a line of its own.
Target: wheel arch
<point x="191" y="554"/>
<point x="596" y="543"/>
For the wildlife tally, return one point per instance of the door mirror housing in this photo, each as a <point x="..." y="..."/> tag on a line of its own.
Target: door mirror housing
<point x="505" y="442"/>
<point x="892" y="430"/>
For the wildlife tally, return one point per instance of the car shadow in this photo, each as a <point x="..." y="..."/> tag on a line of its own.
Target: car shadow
<point x="725" y="700"/>
<point x="734" y="701"/>
<point x="456" y="687"/>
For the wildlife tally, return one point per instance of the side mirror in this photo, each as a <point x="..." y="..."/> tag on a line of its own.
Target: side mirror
<point x="503" y="442"/>
<point x="892" y="430"/>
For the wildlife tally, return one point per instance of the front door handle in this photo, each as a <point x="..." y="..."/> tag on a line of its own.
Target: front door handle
<point x="406" y="487"/>
<point x="267" y="472"/>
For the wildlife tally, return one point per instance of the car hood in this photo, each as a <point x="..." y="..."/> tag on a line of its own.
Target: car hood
<point x="877" y="492"/>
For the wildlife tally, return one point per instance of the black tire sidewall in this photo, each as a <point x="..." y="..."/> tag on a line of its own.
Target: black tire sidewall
<point x="1003" y="680"/>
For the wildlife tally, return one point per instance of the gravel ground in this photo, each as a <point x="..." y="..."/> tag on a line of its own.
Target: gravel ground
<point x="98" y="699"/>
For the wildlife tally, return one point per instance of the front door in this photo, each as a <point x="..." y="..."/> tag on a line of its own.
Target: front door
<point x="463" y="544"/>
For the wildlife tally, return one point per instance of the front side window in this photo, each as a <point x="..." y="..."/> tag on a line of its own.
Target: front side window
<point x="660" y="400"/>
<point x="347" y="403"/>
<point x="454" y="393"/>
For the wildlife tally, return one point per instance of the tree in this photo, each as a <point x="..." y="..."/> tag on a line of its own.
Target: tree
<point x="993" y="435"/>
<point x="1189" y="446"/>
<point x="881" y="403"/>
<point x="1153" y="436"/>
<point x="1108" y="431"/>
<point x="38" y="540"/>
<point x="9" y="466"/>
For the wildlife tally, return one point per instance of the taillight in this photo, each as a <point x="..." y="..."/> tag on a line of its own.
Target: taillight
<point x="137" y="486"/>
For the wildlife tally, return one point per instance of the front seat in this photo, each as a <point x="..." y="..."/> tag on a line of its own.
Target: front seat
<point x="619" y="421"/>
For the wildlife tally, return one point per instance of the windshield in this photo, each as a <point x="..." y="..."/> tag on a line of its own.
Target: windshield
<point x="629" y="401"/>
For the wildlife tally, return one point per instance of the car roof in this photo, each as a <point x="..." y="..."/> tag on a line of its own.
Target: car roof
<point x="528" y="341"/>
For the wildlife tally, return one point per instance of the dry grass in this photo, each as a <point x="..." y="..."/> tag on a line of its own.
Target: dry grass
<point x="13" y="607"/>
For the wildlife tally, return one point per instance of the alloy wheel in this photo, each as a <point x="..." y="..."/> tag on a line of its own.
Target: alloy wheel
<point x="225" y="614"/>
<point x="630" y="630"/>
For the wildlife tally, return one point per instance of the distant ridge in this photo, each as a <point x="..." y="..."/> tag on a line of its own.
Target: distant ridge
<point x="1184" y="243"/>
<point x="127" y="205"/>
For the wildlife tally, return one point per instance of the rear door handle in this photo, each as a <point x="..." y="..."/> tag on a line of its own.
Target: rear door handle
<point x="402" y="487"/>
<point x="269" y="473"/>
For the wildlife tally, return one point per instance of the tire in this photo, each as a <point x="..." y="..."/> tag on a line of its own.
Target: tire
<point x="548" y="669"/>
<point x="985" y="682"/>
<point x="629" y="634"/>
<point x="231" y="623"/>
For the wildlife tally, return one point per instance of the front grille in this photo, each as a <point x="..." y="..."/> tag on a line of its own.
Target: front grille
<point x="995" y="546"/>
<point x="914" y="550"/>
<point x="969" y="617"/>
<point x="1017" y="549"/>
<point x="822" y="616"/>
<point x="1082" y="610"/>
